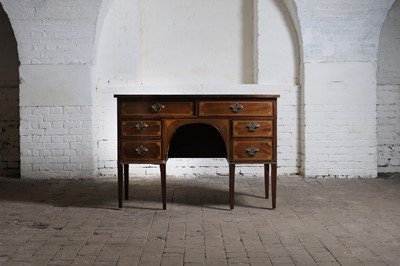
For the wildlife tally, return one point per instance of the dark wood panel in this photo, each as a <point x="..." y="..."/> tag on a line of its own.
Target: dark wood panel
<point x="156" y="108"/>
<point x="141" y="150"/>
<point x="141" y="128"/>
<point x="236" y="108"/>
<point x="252" y="128"/>
<point x="253" y="150"/>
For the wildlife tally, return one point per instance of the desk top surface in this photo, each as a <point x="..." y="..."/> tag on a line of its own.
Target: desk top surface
<point x="197" y="96"/>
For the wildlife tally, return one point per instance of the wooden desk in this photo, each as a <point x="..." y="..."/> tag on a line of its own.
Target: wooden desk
<point x="240" y="128"/>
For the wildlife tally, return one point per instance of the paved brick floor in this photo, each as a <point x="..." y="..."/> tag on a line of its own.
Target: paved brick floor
<point x="317" y="222"/>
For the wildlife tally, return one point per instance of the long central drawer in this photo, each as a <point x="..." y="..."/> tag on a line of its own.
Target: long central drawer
<point x="156" y="109"/>
<point x="233" y="108"/>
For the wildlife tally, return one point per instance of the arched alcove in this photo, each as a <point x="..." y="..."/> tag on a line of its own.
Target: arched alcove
<point x="197" y="140"/>
<point x="9" y="100"/>
<point x="388" y="93"/>
<point x="124" y="49"/>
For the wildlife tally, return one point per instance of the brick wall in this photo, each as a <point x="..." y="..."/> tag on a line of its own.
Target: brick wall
<point x="388" y="105"/>
<point x="56" y="50"/>
<point x="54" y="32"/>
<point x="57" y="142"/>
<point x="340" y="41"/>
<point x="9" y="137"/>
<point x="336" y="101"/>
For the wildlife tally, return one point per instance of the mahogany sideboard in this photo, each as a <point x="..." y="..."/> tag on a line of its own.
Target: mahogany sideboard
<point x="154" y="128"/>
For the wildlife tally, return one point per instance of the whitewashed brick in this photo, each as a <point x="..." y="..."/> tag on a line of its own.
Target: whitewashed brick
<point x="57" y="139"/>
<point x="55" y="110"/>
<point x="32" y="160"/>
<point x="72" y="124"/>
<point x="68" y="138"/>
<point x="36" y="118"/>
<point x="44" y="153"/>
<point x="50" y="118"/>
<point x="34" y="125"/>
<point x="57" y="125"/>
<point x="69" y="152"/>
<point x="58" y="159"/>
<point x="81" y="159"/>
<point x="71" y="110"/>
<point x="57" y="166"/>
<point x="57" y="131"/>
<point x="57" y="153"/>
<point x="35" y="168"/>
<point x="80" y="117"/>
<point x="80" y="131"/>
<point x="56" y="146"/>
<point x="44" y="125"/>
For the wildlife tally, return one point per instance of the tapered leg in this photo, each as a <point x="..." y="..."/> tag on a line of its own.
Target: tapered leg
<point x="273" y="181"/>
<point x="266" y="180"/>
<point x="126" y="179"/>
<point x="163" y="185"/>
<point x="231" y="185"/>
<point x="120" y="173"/>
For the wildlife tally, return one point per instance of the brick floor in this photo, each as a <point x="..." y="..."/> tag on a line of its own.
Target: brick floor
<point x="317" y="222"/>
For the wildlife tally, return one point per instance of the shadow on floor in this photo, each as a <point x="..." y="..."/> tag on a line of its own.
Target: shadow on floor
<point x="102" y="193"/>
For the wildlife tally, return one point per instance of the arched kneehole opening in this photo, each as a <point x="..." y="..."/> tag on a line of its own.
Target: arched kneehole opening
<point x="197" y="140"/>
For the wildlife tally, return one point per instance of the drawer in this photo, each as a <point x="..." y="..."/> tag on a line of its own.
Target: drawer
<point x="156" y="108"/>
<point x="253" y="150"/>
<point x="141" y="150"/>
<point x="252" y="128"/>
<point x="138" y="128"/>
<point x="233" y="108"/>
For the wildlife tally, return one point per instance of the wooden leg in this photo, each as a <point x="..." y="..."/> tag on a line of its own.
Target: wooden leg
<point x="120" y="173"/>
<point x="231" y="185"/>
<point x="273" y="181"/>
<point x="163" y="185"/>
<point x="266" y="180"/>
<point x="126" y="179"/>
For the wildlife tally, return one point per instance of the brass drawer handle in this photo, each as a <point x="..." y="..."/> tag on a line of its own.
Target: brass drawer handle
<point x="140" y="126"/>
<point x="142" y="150"/>
<point x="236" y="107"/>
<point x="252" y="150"/>
<point x="157" y="107"/>
<point x="252" y="127"/>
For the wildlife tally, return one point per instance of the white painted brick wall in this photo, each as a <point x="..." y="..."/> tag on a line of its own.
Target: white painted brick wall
<point x="341" y="30"/>
<point x="388" y="128"/>
<point x="54" y="32"/>
<point x="117" y="58"/>
<point x="340" y="43"/>
<point x="56" y="49"/>
<point x="340" y="120"/>
<point x="388" y="103"/>
<point x="335" y="35"/>
<point x="57" y="142"/>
